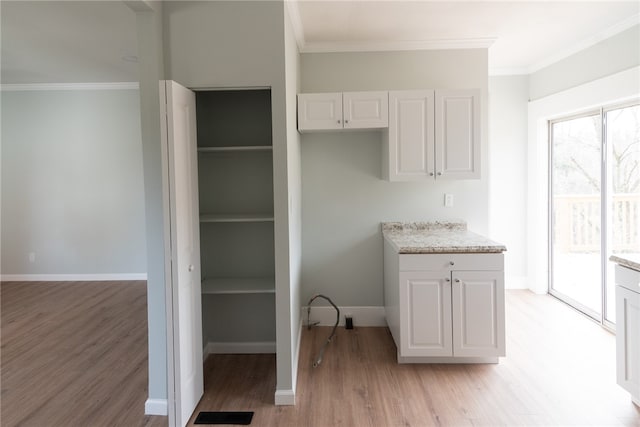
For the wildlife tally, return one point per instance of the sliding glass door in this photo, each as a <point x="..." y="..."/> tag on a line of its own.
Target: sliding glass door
<point x="594" y="192"/>
<point x="576" y="184"/>
<point x="622" y="138"/>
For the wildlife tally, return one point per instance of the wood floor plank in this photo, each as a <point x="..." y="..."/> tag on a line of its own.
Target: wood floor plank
<point x="74" y="354"/>
<point x="559" y="370"/>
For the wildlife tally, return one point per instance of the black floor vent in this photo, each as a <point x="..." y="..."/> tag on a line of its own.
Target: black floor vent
<point x="235" y="418"/>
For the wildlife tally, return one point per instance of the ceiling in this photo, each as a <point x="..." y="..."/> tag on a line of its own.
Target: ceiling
<point x="95" y="41"/>
<point x="522" y="36"/>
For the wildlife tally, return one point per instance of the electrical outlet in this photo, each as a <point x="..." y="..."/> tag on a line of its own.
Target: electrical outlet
<point x="448" y="200"/>
<point x="348" y="322"/>
<point x="32" y="257"/>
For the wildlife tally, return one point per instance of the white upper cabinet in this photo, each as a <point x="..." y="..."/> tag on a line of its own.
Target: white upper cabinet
<point x="457" y="134"/>
<point x="365" y="110"/>
<point x="349" y="110"/>
<point x="410" y="136"/>
<point x="319" y="111"/>
<point x="433" y="135"/>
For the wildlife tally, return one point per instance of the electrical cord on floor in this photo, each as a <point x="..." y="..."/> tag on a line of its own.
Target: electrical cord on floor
<point x="318" y="359"/>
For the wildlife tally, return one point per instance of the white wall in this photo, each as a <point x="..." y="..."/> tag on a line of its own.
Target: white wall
<point x="72" y="185"/>
<point x="344" y="197"/>
<point x="155" y="165"/>
<point x="617" y="53"/>
<point x="508" y="100"/>
<point x="292" y="346"/>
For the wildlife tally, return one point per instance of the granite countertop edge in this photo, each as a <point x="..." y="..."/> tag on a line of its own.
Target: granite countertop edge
<point x="626" y="261"/>
<point x="432" y="237"/>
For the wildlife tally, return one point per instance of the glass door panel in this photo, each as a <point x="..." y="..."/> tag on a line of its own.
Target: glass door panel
<point x="576" y="176"/>
<point x="622" y="136"/>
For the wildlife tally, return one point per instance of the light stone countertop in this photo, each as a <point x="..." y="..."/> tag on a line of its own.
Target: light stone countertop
<point x="631" y="261"/>
<point x="437" y="237"/>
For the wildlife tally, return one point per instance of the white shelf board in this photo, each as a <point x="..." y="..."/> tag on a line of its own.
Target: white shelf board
<point x="235" y="148"/>
<point x="236" y="285"/>
<point x="265" y="217"/>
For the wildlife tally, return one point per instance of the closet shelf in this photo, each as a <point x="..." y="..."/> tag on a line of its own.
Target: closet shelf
<point x="260" y="217"/>
<point x="238" y="285"/>
<point x="235" y="149"/>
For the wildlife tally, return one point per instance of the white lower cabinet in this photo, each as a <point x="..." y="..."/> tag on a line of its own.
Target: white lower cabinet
<point x="425" y="322"/>
<point x="628" y="331"/>
<point x="477" y="301"/>
<point x="445" y="308"/>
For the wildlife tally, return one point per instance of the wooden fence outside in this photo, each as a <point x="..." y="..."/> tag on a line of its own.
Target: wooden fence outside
<point x="577" y="223"/>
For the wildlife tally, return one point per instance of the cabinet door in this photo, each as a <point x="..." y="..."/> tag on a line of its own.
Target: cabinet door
<point x="319" y="111"/>
<point x="478" y="313"/>
<point x="628" y="341"/>
<point x="365" y="110"/>
<point x="457" y="133"/>
<point x="425" y="314"/>
<point x="411" y="135"/>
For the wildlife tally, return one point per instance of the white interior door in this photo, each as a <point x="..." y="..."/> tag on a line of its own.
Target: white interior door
<point x="187" y="387"/>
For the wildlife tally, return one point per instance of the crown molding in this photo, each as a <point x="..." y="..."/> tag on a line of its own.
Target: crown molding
<point x="69" y="86"/>
<point x="615" y="29"/>
<point x="381" y="46"/>
<point x="508" y="71"/>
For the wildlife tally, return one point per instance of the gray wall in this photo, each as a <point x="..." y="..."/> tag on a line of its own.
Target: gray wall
<point x="149" y="25"/>
<point x="618" y="53"/>
<point x="242" y="44"/>
<point x="292" y="76"/>
<point x="344" y="198"/>
<point x="72" y="186"/>
<point x="508" y="178"/>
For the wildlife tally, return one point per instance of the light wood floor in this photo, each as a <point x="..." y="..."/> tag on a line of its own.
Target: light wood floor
<point x="559" y="371"/>
<point x="74" y="354"/>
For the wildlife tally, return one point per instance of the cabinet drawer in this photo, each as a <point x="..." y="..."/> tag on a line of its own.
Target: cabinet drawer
<point x="628" y="278"/>
<point x="438" y="262"/>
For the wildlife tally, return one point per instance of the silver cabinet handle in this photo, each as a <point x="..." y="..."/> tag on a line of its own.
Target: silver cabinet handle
<point x="447" y="280"/>
<point x="346" y="121"/>
<point x="430" y="173"/>
<point x="457" y="280"/>
<point x="191" y="267"/>
<point x="452" y="263"/>
<point x="339" y="121"/>
<point x="439" y="173"/>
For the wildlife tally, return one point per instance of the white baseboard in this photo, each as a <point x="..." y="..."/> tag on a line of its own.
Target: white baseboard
<point x="516" y="282"/>
<point x="72" y="277"/>
<point x="285" y="397"/>
<point x="362" y="316"/>
<point x="156" y="407"/>
<point x="265" y="347"/>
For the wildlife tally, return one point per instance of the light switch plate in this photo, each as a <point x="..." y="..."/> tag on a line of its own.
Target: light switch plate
<point x="448" y="200"/>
